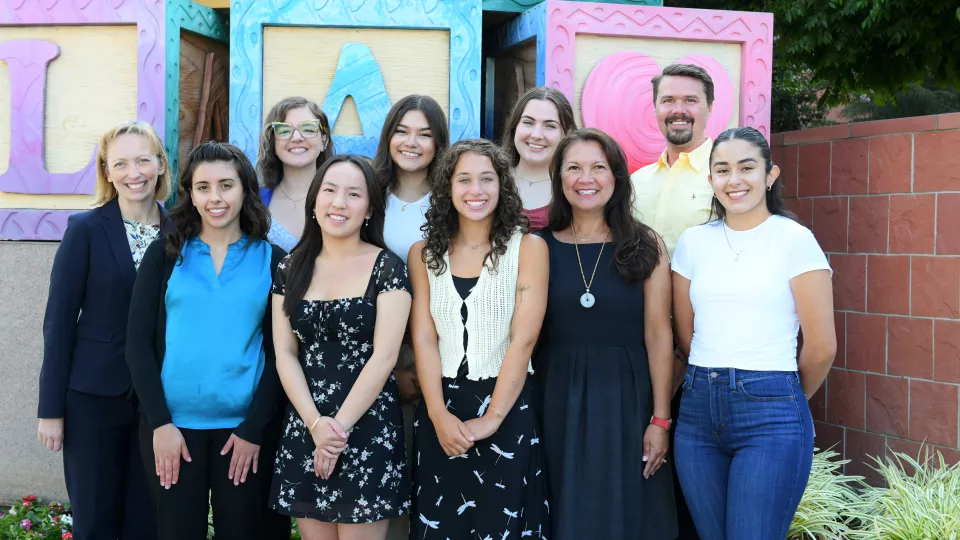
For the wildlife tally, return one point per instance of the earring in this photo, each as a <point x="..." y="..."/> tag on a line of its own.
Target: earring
<point x="769" y="187"/>
<point x="366" y="222"/>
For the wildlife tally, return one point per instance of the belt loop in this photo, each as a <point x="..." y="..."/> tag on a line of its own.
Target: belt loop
<point x="733" y="379"/>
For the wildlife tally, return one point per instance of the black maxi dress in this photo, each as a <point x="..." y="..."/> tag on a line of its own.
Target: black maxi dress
<point x="594" y="381"/>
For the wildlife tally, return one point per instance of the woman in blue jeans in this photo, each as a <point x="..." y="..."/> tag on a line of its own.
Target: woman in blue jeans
<point x="744" y="284"/>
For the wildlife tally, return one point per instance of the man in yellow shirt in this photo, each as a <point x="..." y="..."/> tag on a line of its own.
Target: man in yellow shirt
<point x="672" y="193"/>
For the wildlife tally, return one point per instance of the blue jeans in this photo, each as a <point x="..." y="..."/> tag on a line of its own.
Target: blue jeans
<point x="744" y="446"/>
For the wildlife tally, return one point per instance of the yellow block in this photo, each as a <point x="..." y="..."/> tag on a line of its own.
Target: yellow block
<point x="303" y="62"/>
<point x="592" y="49"/>
<point x="91" y="87"/>
<point x="214" y="3"/>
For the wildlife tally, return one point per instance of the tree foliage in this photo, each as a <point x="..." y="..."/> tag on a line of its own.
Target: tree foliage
<point x="861" y="47"/>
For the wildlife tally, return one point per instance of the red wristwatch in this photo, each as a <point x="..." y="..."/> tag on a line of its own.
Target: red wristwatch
<point x="660" y="422"/>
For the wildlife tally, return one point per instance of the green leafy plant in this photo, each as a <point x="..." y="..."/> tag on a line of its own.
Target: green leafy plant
<point x="824" y="511"/>
<point x="294" y="532"/>
<point x="921" y="500"/>
<point x="31" y="518"/>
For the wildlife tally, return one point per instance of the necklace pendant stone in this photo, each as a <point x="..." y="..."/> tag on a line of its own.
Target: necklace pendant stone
<point x="587" y="300"/>
<point x="736" y="258"/>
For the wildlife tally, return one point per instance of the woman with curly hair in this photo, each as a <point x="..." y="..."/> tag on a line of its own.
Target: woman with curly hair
<point x="201" y="355"/>
<point x="480" y="285"/>
<point x="605" y="360"/>
<point x="295" y="141"/>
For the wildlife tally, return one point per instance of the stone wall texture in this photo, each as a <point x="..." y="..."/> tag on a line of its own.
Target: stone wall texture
<point x="883" y="199"/>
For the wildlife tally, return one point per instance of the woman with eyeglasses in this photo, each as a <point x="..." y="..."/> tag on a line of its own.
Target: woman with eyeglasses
<point x="294" y="142"/>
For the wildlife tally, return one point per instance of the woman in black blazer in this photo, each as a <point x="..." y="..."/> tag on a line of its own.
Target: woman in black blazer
<point x="84" y="381"/>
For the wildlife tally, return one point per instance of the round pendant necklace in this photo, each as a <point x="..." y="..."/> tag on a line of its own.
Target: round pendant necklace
<point x="587" y="300"/>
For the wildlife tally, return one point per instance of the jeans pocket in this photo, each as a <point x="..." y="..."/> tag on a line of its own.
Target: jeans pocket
<point x="768" y="389"/>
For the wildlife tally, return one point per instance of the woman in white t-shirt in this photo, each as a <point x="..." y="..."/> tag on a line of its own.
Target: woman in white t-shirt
<point x="744" y="284"/>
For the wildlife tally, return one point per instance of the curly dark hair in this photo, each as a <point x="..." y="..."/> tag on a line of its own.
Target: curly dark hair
<point x="637" y="250"/>
<point x="185" y="219"/>
<point x="443" y="220"/>
<point x="269" y="166"/>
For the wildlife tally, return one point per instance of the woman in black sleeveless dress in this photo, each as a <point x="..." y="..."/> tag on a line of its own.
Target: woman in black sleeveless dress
<point x="604" y="359"/>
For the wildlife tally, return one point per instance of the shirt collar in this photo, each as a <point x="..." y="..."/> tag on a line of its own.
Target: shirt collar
<point x="199" y="245"/>
<point x="696" y="160"/>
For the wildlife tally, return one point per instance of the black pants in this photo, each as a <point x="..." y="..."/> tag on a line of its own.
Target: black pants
<point x="239" y="512"/>
<point x="685" y="526"/>
<point x="102" y="468"/>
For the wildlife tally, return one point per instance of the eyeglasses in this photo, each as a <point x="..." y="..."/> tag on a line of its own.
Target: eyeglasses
<point x="308" y="129"/>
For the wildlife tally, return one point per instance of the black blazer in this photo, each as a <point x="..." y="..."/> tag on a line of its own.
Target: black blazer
<point x="85" y="324"/>
<point x="147" y="343"/>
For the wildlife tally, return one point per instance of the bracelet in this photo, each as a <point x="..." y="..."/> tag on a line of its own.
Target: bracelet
<point x="499" y="414"/>
<point x="314" y="424"/>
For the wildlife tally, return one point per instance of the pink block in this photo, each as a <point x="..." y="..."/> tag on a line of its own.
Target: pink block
<point x="617" y="96"/>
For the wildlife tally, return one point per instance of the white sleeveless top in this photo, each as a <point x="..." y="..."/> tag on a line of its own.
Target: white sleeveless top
<point x="490" y="313"/>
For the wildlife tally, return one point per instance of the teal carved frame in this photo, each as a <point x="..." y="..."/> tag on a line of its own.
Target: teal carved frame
<point x="462" y="18"/>
<point x="183" y="15"/>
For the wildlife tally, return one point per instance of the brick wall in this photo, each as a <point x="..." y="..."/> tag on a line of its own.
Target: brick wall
<point x="883" y="199"/>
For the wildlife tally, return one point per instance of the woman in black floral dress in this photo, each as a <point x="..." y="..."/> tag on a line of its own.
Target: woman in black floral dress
<point x="339" y="319"/>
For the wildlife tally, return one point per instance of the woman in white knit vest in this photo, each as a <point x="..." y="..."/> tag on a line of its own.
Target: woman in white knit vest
<point x="480" y="291"/>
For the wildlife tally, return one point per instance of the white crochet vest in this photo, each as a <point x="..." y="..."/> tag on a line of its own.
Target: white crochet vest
<point x="489" y="315"/>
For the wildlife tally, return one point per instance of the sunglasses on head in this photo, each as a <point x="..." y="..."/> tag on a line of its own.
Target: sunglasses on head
<point x="308" y="129"/>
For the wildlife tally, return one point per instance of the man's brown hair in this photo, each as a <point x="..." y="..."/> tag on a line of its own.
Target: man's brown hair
<point x="685" y="70"/>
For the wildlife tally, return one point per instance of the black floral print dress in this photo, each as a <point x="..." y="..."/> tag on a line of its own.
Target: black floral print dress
<point x="370" y="480"/>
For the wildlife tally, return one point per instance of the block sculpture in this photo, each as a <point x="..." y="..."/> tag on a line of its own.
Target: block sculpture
<point x="602" y="57"/>
<point x="354" y="58"/>
<point x="65" y="91"/>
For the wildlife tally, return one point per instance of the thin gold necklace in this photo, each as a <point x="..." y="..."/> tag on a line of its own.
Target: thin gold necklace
<point x="736" y="254"/>
<point x="587" y="300"/>
<point x="294" y="201"/>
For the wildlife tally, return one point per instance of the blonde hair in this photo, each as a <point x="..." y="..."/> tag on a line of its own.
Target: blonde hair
<point x="106" y="192"/>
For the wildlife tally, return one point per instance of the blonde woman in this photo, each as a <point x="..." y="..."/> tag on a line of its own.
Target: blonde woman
<point x="84" y="380"/>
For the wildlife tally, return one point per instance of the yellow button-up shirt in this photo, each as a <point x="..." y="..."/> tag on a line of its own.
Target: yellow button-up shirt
<point x="671" y="199"/>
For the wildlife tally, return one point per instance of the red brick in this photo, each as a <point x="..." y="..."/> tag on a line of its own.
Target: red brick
<point x="818" y="404"/>
<point x="946" y="346"/>
<point x="867" y="342"/>
<point x="789" y="169"/>
<point x="948" y="223"/>
<point x="848" y="167"/>
<point x="803" y="208"/>
<point x="826" y="133"/>
<point x="861" y="447"/>
<point x="910" y="347"/>
<point x="814" y="170"/>
<point x="935" y="287"/>
<point x="830" y="223"/>
<point x="869" y="218"/>
<point x="949" y="121"/>
<point x="891" y="164"/>
<point x="912" y="223"/>
<point x="886" y="410"/>
<point x="849" y="281"/>
<point x="828" y="437"/>
<point x="840" y="324"/>
<point x="845" y="392"/>
<point x="896" y="125"/>
<point x="936" y="161"/>
<point x="923" y="452"/>
<point x="889" y="287"/>
<point x="933" y="412"/>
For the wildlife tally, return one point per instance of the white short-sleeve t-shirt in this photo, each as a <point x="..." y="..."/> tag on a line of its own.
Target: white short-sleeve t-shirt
<point x="744" y="313"/>
<point x="402" y="222"/>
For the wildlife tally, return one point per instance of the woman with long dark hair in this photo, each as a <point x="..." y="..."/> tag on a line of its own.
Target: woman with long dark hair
<point x="605" y="356"/>
<point x="201" y="356"/>
<point x="744" y="285"/>
<point x="539" y="119"/>
<point x="480" y="289"/>
<point x="294" y="142"/>
<point x="341" y="302"/>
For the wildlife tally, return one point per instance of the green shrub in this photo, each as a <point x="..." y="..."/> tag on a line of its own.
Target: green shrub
<point x="31" y="518"/>
<point x="823" y="513"/>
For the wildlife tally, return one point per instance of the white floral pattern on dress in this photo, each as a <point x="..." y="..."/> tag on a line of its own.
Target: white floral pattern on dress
<point x="335" y="339"/>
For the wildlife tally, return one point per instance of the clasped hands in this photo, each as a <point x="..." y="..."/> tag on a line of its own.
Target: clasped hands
<point x="457" y="437"/>
<point x="330" y="439"/>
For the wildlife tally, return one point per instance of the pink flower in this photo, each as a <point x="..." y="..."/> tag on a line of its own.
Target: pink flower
<point x="67" y="536"/>
<point x="26" y="504"/>
<point x="26" y="524"/>
<point x="29" y="498"/>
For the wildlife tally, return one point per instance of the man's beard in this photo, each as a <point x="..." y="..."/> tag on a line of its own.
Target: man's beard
<point x="679" y="138"/>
